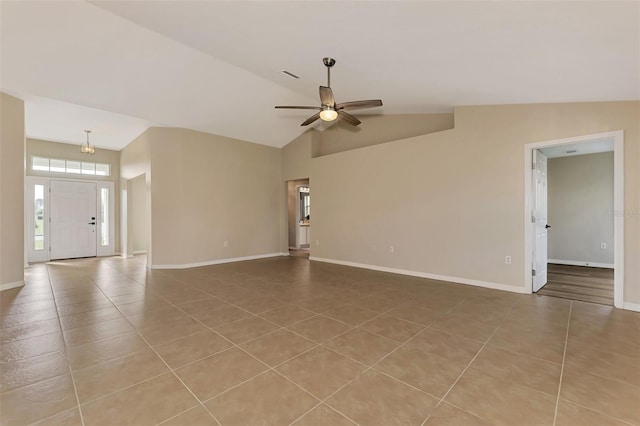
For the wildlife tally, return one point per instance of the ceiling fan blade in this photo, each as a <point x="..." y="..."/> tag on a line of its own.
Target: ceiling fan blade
<point x="297" y="107"/>
<point x="311" y="119"/>
<point x="348" y="118"/>
<point x="372" y="103"/>
<point x="326" y="96"/>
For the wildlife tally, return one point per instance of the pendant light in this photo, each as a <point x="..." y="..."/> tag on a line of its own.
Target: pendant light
<point x="87" y="148"/>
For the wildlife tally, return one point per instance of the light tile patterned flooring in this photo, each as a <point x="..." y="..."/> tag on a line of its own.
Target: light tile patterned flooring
<point x="285" y="341"/>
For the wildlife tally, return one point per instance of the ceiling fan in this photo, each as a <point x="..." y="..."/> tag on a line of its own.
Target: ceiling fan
<point x="329" y="110"/>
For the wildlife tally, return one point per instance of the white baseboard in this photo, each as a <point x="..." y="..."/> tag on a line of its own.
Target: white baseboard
<point x="581" y="263"/>
<point x="216" y="262"/>
<point x="477" y="283"/>
<point x="8" y="286"/>
<point x="631" y="306"/>
<point x="139" y="252"/>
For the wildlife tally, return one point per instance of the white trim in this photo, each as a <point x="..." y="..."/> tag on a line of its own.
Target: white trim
<point x="8" y="286"/>
<point x="618" y="206"/>
<point x="581" y="263"/>
<point x="632" y="307"/>
<point x="216" y="262"/>
<point x="477" y="283"/>
<point x="139" y="252"/>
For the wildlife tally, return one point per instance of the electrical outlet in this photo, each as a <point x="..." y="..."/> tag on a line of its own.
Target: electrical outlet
<point x="374" y="248"/>
<point x="603" y="246"/>
<point x="392" y="249"/>
<point x="507" y="260"/>
<point x="317" y="242"/>
<point x="226" y="244"/>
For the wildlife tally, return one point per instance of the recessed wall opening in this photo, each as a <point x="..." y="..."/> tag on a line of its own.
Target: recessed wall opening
<point x="299" y="217"/>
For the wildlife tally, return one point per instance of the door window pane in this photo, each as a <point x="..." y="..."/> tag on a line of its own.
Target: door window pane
<point x="104" y="216"/>
<point x="38" y="216"/>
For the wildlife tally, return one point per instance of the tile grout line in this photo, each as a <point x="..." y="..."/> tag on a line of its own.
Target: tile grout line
<point x="164" y="362"/>
<point x="564" y="356"/>
<point x="269" y="368"/>
<point x="371" y="367"/>
<point x="66" y="352"/>
<point x="321" y="344"/>
<point x="464" y="370"/>
<point x="600" y="412"/>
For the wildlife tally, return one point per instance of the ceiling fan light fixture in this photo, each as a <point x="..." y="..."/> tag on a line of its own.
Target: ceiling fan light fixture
<point x="328" y="114"/>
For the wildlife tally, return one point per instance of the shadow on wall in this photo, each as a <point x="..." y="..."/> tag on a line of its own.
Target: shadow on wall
<point x="377" y="129"/>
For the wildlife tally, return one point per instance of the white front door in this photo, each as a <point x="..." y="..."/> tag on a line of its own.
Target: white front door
<point x="73" y="219"/>
<point x="539" y="219"/>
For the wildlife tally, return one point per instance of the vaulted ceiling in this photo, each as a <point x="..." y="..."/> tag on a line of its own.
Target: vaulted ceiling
<point x="217" y="66"/>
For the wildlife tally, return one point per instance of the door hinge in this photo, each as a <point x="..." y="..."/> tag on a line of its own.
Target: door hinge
<point x="533" y="166"/>
<point x="533" y="272"/>
<point x="49" y="249"/>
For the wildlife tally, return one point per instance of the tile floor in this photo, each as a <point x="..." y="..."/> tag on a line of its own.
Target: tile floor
<point x="285" y="341"/>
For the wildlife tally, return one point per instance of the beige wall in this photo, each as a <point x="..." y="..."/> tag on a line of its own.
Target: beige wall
<point x="296" y="156"/>
<point x="139" y="222"/>
<point x="42" y="148"/>
<point x="580" y="209"/>
<point x="12" y="148"/>
<point x="208" y="189"/>
<point x="376" y="129"/>
<point x="451" y="203"/>
<point x="134" y="163"/>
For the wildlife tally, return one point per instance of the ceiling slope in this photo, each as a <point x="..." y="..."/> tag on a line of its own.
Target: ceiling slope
<point x="216" y="66"/>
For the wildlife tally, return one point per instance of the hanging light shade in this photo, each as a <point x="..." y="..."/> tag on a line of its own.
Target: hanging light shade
<point x="87" y="148"/>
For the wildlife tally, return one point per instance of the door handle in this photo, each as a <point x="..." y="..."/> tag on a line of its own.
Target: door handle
<point x="92" y="223"/>
<point x="547" y="226"/>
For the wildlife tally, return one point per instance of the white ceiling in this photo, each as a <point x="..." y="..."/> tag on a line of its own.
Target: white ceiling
<point x="216" y="66"/>
<point x="64" y="122"/>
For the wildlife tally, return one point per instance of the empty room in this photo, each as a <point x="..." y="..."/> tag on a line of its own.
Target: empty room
<point x="471" y="256"/>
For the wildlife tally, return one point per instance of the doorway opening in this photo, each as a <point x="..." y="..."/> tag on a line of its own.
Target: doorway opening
<point x="299" y="217"/>
<point x="68" y="219"/>
<point x="574" y="239"/>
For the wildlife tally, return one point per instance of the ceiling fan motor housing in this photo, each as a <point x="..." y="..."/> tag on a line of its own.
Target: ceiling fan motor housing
<point x="328" y="62"/>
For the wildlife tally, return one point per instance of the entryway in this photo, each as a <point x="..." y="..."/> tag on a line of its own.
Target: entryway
<point x="68" y="219"/>
<point x="73" y="219"/>
<point x="593" y="269"/>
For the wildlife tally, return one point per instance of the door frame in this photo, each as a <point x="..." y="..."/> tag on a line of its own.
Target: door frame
<point x="101" y="251"/>
<point x="618" y="207"/>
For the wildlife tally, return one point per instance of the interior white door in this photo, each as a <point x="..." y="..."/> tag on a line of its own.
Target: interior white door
<point x="539" y="219"/>
<point x="73" y="219"/>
